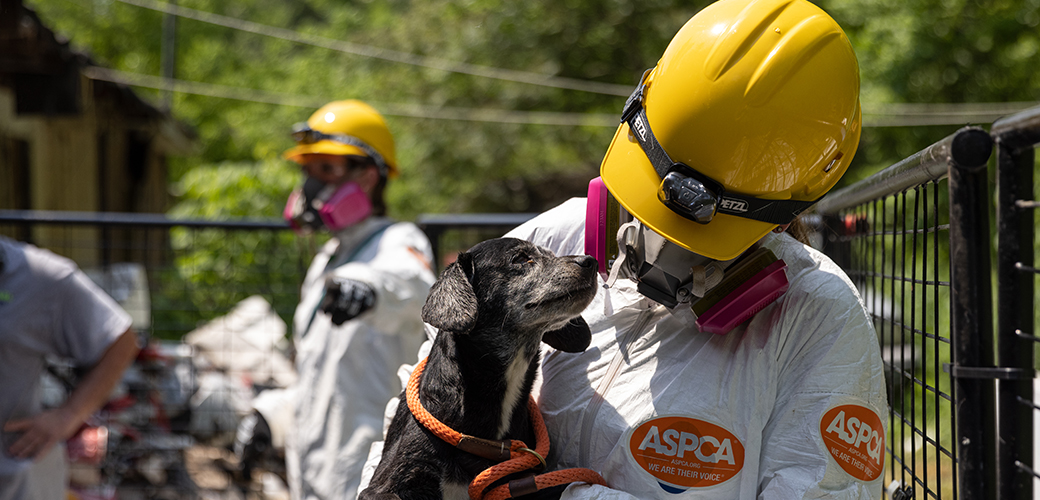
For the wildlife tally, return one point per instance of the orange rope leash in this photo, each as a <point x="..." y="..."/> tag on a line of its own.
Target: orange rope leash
<point x="429" y="421"/>
<point x="521" y="457"/>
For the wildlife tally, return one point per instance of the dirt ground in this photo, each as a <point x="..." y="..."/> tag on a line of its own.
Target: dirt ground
<point x="210" y="469"/>
<point x="198" y="472"/>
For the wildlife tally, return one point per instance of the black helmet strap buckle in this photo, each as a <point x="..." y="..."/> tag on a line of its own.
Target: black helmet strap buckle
<point x="692" y="194"/>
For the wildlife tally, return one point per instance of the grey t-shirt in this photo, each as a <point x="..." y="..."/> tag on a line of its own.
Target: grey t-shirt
<point x="48" y="307"/>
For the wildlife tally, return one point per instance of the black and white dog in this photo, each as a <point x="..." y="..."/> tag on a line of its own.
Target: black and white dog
<point x="493" y="306"/>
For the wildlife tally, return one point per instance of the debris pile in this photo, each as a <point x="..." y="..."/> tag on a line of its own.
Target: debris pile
<point x="202" y="418"/>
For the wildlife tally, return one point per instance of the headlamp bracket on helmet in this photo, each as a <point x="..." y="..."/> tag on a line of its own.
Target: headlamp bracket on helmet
<point x="691" y="194"/>
<point x="634" y="102"/>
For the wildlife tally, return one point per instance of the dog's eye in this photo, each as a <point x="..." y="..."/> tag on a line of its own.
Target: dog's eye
<point x="522" y="258"/>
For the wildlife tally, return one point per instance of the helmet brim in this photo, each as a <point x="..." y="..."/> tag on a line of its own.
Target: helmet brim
<point x="630" y="177"/>
<point x="296" y="153"/>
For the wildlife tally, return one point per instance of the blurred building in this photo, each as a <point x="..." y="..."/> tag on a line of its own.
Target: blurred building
<point x="72" y="143"/>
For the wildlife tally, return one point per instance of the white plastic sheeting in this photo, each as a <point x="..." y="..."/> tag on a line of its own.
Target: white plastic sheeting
<point x="247" y="342"/>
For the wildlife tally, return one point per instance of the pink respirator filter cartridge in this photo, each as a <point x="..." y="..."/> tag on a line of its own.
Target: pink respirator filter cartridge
<point x="347" y="206"/>
<point x="757" y="282"/>
<point x="596" y="224"/>
<point x="289" y="213"/>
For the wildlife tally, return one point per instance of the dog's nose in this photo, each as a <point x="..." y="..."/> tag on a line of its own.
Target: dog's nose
<point x="585" y="261"/>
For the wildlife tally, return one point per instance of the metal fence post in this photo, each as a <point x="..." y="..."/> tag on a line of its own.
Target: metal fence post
<point x="1016" y="137"/>
<point x="971" y="315"/>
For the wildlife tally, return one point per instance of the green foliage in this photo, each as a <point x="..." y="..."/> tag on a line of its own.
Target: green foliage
<point x="214" y="269"/>
<point x="918" y="51"/>
<point x="936" y="51"/>
<point x="447" y="165"/>
<point x="910" y="51"/>
<point x="233" y="190"/>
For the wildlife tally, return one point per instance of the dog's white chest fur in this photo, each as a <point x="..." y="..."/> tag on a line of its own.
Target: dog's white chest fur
<point x="516" y="372"/>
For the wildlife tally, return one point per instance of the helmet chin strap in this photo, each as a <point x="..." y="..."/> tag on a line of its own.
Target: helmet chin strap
<point x="705" y="277"/>
<point x="666" y="272"/>
<point x="627" y="238"/>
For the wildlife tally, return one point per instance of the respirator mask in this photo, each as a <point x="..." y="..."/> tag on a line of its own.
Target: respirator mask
<point x="662" y="270"/>
<point x="722" y="294"/>
<point x="316" y="204"/>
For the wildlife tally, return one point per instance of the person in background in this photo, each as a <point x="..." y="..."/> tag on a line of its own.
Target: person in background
<point x="358" y="318"/>
<point x="48" y="307"/>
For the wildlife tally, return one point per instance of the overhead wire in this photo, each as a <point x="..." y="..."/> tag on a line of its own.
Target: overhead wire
<point x="922" y="114"/>
<point x="876" y="115"/>
<point x="887" y="115"/>
<point x="509" y="75"/>
<point x="410" y="110"/>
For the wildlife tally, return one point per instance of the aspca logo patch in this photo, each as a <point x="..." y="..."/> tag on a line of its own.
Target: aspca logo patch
<point x="733" y="205"/>
<point x="855" y="439"/>
<point x="686" y="453"/>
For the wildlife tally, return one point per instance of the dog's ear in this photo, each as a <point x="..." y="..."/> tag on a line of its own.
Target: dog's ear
<point x="575" y="336"/>
<point x="452" y="304"/>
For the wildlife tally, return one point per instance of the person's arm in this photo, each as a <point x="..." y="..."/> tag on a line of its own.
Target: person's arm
<point x="42" y="431"/>
<point x="389" y="289"/>
<point x="825" y="436"/>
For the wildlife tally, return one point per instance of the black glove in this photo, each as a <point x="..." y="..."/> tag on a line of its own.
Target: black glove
<point x="252" y="444"/>
<point x="346" y="298"/>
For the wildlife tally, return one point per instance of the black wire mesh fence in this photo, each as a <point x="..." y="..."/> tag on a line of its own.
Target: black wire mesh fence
<point x="896" y="250"/>
<point x="453" y="233"/>
<point x="916" y="240"/>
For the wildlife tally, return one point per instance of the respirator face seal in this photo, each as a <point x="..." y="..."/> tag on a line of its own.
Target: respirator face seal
<point x="722" y="295"/>
<point x="661" y="268"/>
<point x="315" y="205"/>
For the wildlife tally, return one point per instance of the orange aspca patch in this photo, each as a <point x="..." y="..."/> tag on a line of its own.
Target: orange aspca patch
<point x="855" y="438"/>
<point x="685" y="452"/>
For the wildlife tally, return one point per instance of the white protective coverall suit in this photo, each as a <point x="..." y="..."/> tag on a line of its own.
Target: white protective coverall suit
<point x="348" y="372"/>
<point x="786" y="406"/>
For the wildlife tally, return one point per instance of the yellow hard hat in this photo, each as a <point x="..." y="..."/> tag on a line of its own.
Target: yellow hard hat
<point x="754" y="110"/>
<point x="348" y="127"/>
